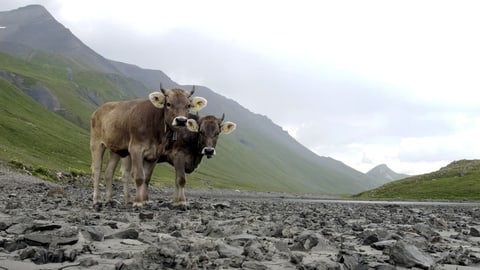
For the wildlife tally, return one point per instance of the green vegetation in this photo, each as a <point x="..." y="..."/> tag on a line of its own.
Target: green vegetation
<point x="460" y="180"/>
<point x="37" y="136"/>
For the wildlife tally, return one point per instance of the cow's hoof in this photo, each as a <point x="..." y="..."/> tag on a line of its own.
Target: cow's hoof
<point x="98" y="206"/>
<point x="137" y="205"/>
<point x="180" y="207"/>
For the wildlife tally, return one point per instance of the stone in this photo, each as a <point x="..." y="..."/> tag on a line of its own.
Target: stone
<point x="145" y="216"/>
<point x="424" y="230"/>
<point x="253" y="250"/>
<point x="475" y="231"/>
<point x="44" y="256"/>
<point x="130" y="233"/>
<point x="221" y="205"/>
<point x="46" y="239"/>
<point x="131" y="242"/>
<point x="408" y="255"/>
<point x="306" y="241"/>
<point x="19" y="228"/>
<point x="227" y="251"/>
<point x="381" y="245"/>
<point x="93" y="233"/>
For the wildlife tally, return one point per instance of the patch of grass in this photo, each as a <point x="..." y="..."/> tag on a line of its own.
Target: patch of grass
<point x="460" y="180"/>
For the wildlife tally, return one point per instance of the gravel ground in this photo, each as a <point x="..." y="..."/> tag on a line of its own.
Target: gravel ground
<point x="54" y="226"/>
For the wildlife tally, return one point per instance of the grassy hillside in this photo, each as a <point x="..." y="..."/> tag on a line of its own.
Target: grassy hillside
<point x="460" y="180"/>
<point x="32" y="135"/>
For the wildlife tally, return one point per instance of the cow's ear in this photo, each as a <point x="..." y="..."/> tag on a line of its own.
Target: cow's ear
<point x="192" y="125"/>
<point x="157" y="99"/>
<point x="198" y="103"/>
<point x="228" y="127"/>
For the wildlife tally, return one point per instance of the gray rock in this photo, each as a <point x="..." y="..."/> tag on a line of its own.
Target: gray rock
<point x="253" y="250"/>
<point x="306" y="241"/>
<point x="145" y="216"/>
<point x="253" y="265"/>
<point x="44" y="256"/>
<point x="93" y="233"/>
<point x="130" y="233"/>
<point x="384" y="267"/>
<point x="48" y="239"/>
<point x="475" y="231"/>
<point x="241" y="239"/>
<point x="221" y="205"/>
<point x="407" y="255"/>
<point x="350" y="262"/>
<point x="296" y="257"/>
<point x="227" y="251"/>
<point x="424" y="230"/>
<point x="19" y="228"/>
<point x="87" y="262"/>
<point x="381" y="245"/>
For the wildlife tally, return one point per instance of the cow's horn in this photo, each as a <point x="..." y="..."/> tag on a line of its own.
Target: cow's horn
<point x="193" y="91"/>
<point x="223" y="117"/>
<point x="162" y="89"/>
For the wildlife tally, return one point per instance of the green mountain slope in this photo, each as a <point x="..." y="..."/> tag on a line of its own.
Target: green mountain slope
<point x="36" y="136"/>
<point x="70" y="80"/>
<point x="460" y="180"/>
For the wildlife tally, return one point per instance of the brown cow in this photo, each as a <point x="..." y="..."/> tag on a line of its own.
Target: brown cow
<point x="186" y="151"/>
<point x="137" y="128"/>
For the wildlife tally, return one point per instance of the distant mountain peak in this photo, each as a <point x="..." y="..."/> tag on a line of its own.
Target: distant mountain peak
<point x="383" y="173"/>
<point x="34" y="28"/>
<point x="32" y="12"/>
<point x="34" y="7"/>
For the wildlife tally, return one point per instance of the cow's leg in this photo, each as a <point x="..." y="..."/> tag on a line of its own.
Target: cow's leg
<point x="139" y="176"/>
<point x="97" y="150"/>
<point x="179" y="199"/>
<point x="109" y="173"/>
<point x="126" y="177"/>
<point x="148" y="167"/>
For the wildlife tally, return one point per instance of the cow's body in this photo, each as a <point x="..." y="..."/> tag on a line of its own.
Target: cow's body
<point x="136" y="128"/>
<point x="186" y="151"/>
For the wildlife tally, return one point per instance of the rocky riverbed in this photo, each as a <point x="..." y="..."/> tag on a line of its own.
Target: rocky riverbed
<point x="54" y="226"/>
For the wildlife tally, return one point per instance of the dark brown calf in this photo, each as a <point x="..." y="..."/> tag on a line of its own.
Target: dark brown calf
<point x="186" y="151"/>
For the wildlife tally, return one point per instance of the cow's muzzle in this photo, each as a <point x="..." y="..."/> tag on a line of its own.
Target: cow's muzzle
<point x="179" y="121"/>
<point x="209" y="152"/>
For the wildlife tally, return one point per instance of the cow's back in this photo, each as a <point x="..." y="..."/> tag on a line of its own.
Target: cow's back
<point x="116" y="124"/>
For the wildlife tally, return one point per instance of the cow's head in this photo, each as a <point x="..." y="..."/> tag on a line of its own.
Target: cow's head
<point x="176" y="104"/>
<point x="209" y="128"/>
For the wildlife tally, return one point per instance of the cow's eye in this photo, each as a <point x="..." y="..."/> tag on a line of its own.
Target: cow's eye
<point x="168" y="104"/>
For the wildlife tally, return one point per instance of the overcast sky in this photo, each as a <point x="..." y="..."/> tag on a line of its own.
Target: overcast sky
<point x="364" y="82"/>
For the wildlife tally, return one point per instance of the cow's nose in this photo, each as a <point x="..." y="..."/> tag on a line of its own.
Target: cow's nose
<point x="208" y="151"/>
<point x="180" y="121"/>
